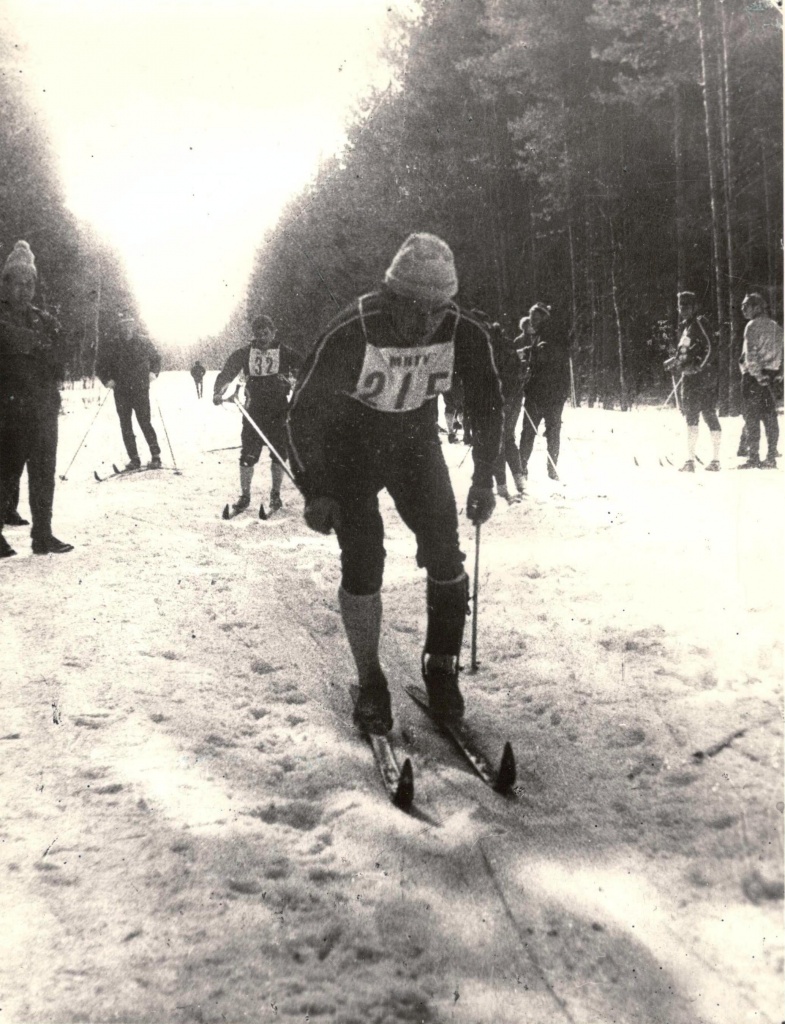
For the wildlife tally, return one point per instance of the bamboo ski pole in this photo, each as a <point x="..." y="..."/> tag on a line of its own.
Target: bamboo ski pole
<point x="475" y="596"/>
<point x="261" y="434"/>
<point x="174" y="463"/>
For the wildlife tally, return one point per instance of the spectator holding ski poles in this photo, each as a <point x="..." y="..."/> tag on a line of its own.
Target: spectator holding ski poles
<point x="547" y="370"/>
<point x="761" y="371"/>
<point x="32" y="359"/>
<point x="363" y="418"/>
<point x="696" y="361"/>
<point x="264" y="365"/>
<point x="128" y="364"/>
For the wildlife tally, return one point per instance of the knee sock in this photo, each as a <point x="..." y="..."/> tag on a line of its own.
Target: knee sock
<point x="246" y="476"/>
<point x="692" y="441"/>
<point x="447" y="603"/>
<point x="716" y="438"/>
<point x="362" y="620"/>
<point x="276" y="474"/>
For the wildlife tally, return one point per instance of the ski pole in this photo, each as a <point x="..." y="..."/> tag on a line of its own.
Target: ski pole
<point x="674" y="392"/>
<point x="163" y="422"/>
<point x="64" y="476"/>
<point x="258" y="430"/>
<point x="528" y="417"/>
<point x="475" y="596"/>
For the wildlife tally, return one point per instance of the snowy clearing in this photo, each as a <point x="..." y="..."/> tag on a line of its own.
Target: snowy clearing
<point x="192" y="831"/>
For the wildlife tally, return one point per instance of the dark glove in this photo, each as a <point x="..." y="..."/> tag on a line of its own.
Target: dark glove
<point x="480" y="504"/>
<point x="218" y="400"/>
<point x="322" y="514"/>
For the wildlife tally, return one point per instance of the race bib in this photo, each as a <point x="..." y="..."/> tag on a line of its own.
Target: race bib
<point x="263" y="362"/>
<point x="403" y="379"/>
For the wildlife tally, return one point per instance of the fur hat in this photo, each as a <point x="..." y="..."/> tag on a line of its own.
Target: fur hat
<point x="20" y="261"/>
<point x="423" y="268"/>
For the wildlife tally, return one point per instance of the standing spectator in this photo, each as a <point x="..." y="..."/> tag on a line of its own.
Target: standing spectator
<point x="547" y="370"/>
<point x="264" y="366"/>
<point x="364" y="417"/>
<point x="32" y="358"/>
<point x="198" y="372"/>
<point x="761" y="371"/>
<point x="510" y="371"/>
<point x="697" y="364"/>
<point x="128" y="364"/>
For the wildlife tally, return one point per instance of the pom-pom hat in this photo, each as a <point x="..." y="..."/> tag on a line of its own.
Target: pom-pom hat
<point x="423" y="269"/>
<point x="20" y="261"/>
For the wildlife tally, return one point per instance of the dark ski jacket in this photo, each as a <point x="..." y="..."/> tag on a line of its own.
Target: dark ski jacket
<point x="695" y="353"/>
<point x="264" y="373"/>
<point x="198" y="371"/>
<point x="32" y="352"/>
<point x="546" y="364"/>
<point x="128" y="363"/>
<point x="362" y="381"/>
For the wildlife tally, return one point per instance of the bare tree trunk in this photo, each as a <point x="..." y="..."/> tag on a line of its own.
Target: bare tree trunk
<point x="714" y="192"/>
<point x="734" y="322"/>
<point x="623" y="396"/>
<point x="678" y="159"/>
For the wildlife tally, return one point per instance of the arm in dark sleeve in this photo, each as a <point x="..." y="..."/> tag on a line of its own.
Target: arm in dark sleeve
<point x="318" y="406"/>
<point x="483" y="398"/>
<point x="154" y="359"/>
<point x="232" y="368"/>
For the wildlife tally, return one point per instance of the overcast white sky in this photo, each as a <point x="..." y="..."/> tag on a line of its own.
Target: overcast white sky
<point x="182" y="126"/>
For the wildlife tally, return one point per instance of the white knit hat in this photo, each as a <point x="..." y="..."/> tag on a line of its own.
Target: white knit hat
<point x="20" y="260"/>
<point x="423" y="268"/>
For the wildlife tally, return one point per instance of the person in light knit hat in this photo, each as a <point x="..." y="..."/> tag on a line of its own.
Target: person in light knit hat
<point x="363" y="418"/>
<point x="31" y="368"/>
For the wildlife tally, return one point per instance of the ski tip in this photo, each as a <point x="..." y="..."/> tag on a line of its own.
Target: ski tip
<point x="404" y="794"/>
<point x="505" y="777"/>
<point x="115" y="468"/>
<point x="262" y="513"/>
<point x="98" y="478"/>
<point x="225" y="514"/>
<point x="635" y="461"/>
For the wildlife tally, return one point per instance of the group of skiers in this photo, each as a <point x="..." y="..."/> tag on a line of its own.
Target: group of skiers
<point x="363" y="417"/>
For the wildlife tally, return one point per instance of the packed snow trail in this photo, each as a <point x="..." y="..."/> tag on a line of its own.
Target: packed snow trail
<point x="193" y="830"/>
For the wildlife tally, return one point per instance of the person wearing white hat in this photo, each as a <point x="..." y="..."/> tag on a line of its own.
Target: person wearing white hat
<point x="32" y="359"/>
<point x="364" y="418"/>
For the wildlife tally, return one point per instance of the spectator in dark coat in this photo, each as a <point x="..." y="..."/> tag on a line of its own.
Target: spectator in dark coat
<point x="198" y="372"/>
<point x="546" y="360"/>
<point x="128" y="364"/>
<point x="32" y="358"/>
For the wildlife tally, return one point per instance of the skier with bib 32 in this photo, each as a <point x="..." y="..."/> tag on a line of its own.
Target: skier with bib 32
<point x="263" y="366"/>
<point x="363" y="417"/>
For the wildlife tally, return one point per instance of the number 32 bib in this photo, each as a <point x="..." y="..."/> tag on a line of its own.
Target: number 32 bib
<point x="263" y="362"/>
<point x="403" y="379"/>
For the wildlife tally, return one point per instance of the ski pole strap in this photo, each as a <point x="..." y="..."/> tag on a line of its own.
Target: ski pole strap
<point x="258" y="430"/>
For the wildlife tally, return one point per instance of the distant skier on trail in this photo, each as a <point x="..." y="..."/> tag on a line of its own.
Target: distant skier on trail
<point x="264" y="365"/>
<point x="128" y="363"/>
<point x="364" y="417"/>
<point x="546" y="360"/>
<point x="32" y="359"/>
<point x="696" y="361"/>
<point x="198" y="372"/>
<point x="761" y="371"/>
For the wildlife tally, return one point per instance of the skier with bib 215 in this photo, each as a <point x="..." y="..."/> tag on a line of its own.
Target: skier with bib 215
<point x="364" y="417"/>
<point x="263" y="365"/>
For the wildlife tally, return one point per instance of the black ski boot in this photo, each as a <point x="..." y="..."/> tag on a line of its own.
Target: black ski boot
<point x="13" y="518"/>
<point x="5" y="548"/>
<point x="275" y="501"/>
<point x="51" y="546"/>
<point x="135" y="463"/>
<point x="373" y="711"/>
<point x="155" y="462"/>
<point x="242" y="503"/>
<point x="440" y="674"/>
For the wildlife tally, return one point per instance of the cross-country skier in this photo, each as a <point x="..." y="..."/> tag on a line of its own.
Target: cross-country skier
<point x="198" y="372"/>
<point x="128" y="364"/>
<point x="32" y="358"/>
<point x="761" y="370"/>
<point x="264" y="365"/>
<point x="363" y="417"/>
<point x="696" y="361"/>
<point x="547" y="366"/>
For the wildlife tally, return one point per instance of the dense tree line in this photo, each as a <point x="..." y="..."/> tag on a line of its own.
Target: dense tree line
<point x="80" y="279"/>
<point x="598" y="155"/>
